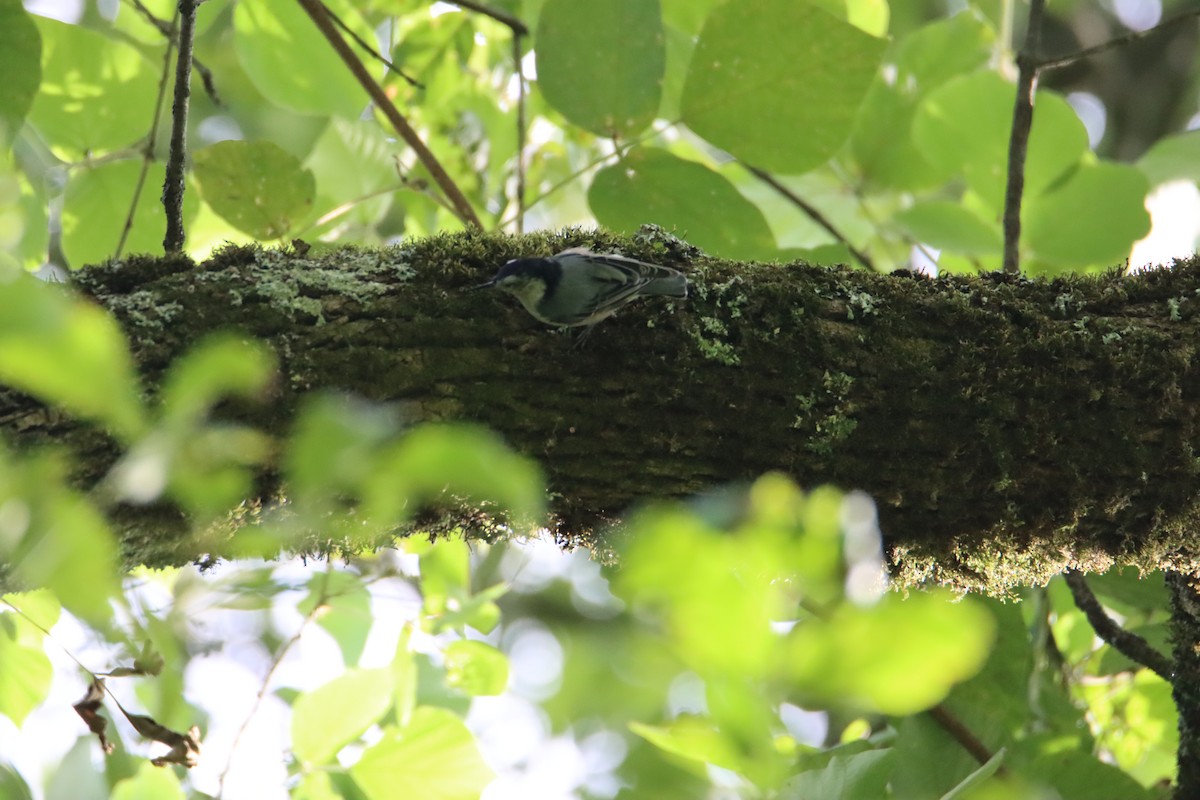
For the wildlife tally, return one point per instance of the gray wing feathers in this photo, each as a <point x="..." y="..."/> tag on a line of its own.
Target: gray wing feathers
<point x="629" y="277"/>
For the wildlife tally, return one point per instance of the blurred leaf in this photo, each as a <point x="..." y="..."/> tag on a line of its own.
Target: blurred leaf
<point x="610" y="91"/>
<point x="76" y="776"/>
<point x="476" y="668"/>
<point x="258" y="187"/>
<point x="1172" y="158"/>
<point x="20" y="63"/>
<point x="1078" y="775"/>
<point x="1114" y="196"/>
<point x="316" y="786"/>
<point x="1127" y="590"/>
<point x="923" y="60"/>
<point x="150" y="783"/>
<point x="458" y="461"/>
<point x="346" y="611"/>
<point x="25" y="679"/>
<point x="69" y="354"/>
<point x="291" y="63"/>
<point x="950" y="226"/>
<point x="869" y="15"/>
<point x="799" y="73"/>
<point x="433" y="757"/>
<point x="220" y="366"/>
<point x="653" y="186"/>
<point x="695" y="739"/>
<point x="39" y="610"/>
<point x="97" y="206"/>
<point x="964" y="790"/>
<point x="97" y="94"/>
<point x="334" y="448"/>
<point x="12" y="785"/>
<point x="857" y="776"/>
<point x="963" y="127"/>
<point x="333" y="715"/>
<point x="898" y="657"/>
<point x="445" y="569"/>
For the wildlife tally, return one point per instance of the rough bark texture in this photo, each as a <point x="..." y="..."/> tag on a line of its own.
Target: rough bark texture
<point x="1185" y="687"/>
<point x="1008" y="428"/>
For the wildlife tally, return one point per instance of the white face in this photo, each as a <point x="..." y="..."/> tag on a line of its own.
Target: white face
<point x="528" y="290"/>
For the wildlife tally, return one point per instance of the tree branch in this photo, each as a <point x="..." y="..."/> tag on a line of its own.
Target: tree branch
<point x="462" y="207"/>
<point x="173" y="183"/>
<point x="1036" y="417"/>
<point x="1018" y="142"/>
<point x="1128" y="644"/>
<point x="1118" y="41"/>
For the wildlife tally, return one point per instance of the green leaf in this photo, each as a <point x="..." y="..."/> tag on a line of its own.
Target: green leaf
<point x="445" y="568"/>
<point x="220" y="366"/>
<point x="1172" y="158"/>
<point x="258" y="187"/>
<point x="897" y="657"/>
<point x="798" y="72"/>
<point x="97" y="94"/>
<point x="290" y="62"/>
<point x="25" y="679"/>
<point x="963" y="127"/>
<point x="1076" y="774"/>
<point x="694" y="739"/>
<point x="653" y="186"/>
<point x="461" y="461"/>
<point x="332" y="716"/>
<point x="69" y="354"/>
<point x="966" y="789"/>
<point x="150" y="783"/>
<point x="97" y="206"/>
<point x="433" y="757"/>
<point x="12" y="785"/>
<point x="476" y="668"/>
<point x="923" y="60"/>
<point x="857" y="776"/>
<point x="951" y="226"/>
<point x="38" y="607"/>
<point x="20" y="64"/>
<point x="1091" y="219"/>
<point x="610" y="90"/>
<point x="346" y="611"/>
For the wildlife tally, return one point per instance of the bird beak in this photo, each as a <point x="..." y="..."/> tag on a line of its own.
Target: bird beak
<point x="480" y="286"/>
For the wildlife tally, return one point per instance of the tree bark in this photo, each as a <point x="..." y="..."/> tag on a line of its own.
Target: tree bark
<point x="1008" y="428"/>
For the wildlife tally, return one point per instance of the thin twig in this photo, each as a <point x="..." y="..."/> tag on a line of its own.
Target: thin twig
<point x="811" y="211"/>
<point x="172" y="196"/>
<point x="317" y="608"/>
<point x="358" y="40"/>
<point x="148" y="150"/>
<point x="962" y="734"/>
<point x="515" y="25"/>
<point x="1128" y="644"/>
<point x="1018" y="141"/>
<point x="167" y="30"/>
<point x="1118" y="41"/>
<point x="316" y="10"/>
<point x="520" y="72"/>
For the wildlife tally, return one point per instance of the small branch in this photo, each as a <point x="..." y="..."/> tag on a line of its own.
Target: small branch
<point x="167" y="28"/>
<point x="173" y="184"/>
<point x="466" y="214"/>
<point x="520" y="72"/>
<point x="358" y="40"/>
<point x="1130" y="645"/>
<point x="812" y="212"/>
<point x="515" y="25"/>
<point x="148" y="150"/>
<point x="1118" y="41"/>
<point x="1018" y="142"/>
<point x="1185" y="689"/>
<point x="961" y="734"/>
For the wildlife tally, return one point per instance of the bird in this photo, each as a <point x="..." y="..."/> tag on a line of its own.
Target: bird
<point x="579" y="287"/>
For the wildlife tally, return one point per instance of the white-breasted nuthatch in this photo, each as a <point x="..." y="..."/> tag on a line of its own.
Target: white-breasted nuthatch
<point x="579" y="287"/>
